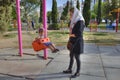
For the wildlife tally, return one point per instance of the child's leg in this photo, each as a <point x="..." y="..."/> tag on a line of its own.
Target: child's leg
<point x="55" y="49"/>
<point x="53" y="46"/>
<point x="50" y="47"/>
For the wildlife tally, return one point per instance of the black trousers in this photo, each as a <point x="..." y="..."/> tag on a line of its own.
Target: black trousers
<point x="78" y="62"/>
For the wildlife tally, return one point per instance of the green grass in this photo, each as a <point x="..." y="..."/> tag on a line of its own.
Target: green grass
<point x="59" y="37"/>
<point x="104" y="38"/>
<point x="11" y="35"/>
<point x="103" y="26"/>
<point x="101" y="38"/>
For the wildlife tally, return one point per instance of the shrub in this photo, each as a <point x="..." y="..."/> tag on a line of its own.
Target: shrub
<point x="5" y="15"/>
<point x="54" y="26"/>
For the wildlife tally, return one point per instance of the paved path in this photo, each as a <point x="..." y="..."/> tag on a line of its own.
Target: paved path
<point x="107" y="30"/>
<point x="98" y="63"/>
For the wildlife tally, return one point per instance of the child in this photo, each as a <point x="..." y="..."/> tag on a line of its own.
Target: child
<point x="48" y="44"/>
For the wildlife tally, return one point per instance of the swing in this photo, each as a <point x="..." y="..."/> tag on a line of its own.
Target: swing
<point x="38" y="44"/>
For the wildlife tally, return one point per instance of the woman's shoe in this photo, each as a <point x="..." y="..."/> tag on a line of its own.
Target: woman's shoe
<point x="67" y="71"/>
<point x="57" y="49"/>
<point x="75" y="75"/>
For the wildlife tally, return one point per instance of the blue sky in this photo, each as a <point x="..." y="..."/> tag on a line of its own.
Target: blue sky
<point x="59" y="3"/>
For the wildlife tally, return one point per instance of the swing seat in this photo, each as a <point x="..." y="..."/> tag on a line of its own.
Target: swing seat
<point x="44" y="40"/>
<point x="38" y="44"/>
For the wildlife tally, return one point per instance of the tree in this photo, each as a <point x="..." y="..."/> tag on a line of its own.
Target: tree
<point x="78" y="4"/>
<point x="28" y="6"/>
<point x="86" y="11"/>
<point x="49" y="16"/>
<point x="14" y="14"/>
<point x="40" y="19"/>
<point x="5" y="14"/>
<point x="54" y="11"/>
<point x="54" y="15"/>
<point x="99" y="12"/>
<point x="65" y="11"/>
<point x="108" y="7"/>
<point x="95" y="8"/>
<point x="93" y="15"/>
<point x="103" y="10"/>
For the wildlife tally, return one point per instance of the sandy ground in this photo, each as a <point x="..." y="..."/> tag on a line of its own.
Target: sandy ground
<point x="13" y="42"/>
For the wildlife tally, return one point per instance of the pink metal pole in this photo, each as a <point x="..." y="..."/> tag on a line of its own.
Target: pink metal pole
<point x="45" y="26"/>
<point x="19" y="27"/>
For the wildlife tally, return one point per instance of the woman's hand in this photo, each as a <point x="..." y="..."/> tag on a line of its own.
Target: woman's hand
<point x="72" y="35"/>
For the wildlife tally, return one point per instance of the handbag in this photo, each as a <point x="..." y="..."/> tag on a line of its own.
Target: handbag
<point x="69" y="45"/>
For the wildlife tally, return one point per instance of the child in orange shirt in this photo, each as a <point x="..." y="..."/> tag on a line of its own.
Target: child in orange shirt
<point x="48" y="44"/>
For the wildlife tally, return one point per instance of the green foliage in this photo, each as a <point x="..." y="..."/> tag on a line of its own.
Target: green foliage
<point x="95" y="8"/>
<point x="54" y="11"/>
<point x="86" y="11"/>
<point x="5" y="11"/>
<point x="28" y="6"/>
<point x="40" y="19"/>
<point x="54" y="26"/>
<point x="106" y="9"/>
<point x="29" y="10"/>
<point x="78" y="4"/>
<point x="14" y="14"/>
<point x="93" y="15"/>
<point x="49" y="16"/>
<point x="65" y="12"/>
<point x="6" y="2"/>
<point x="54" y="15"/>
<point x="99" y="12"/>
<point x="5" y="15"/>
<point x="39" y="25"/>
<point x="112" y="7"/>
<point x="63" y="24"/>
<point x="12" y="35"/>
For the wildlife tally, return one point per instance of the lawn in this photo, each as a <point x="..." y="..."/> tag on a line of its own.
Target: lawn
<point x="58" y="37"/>
<point x="102" y="38"/>
<point x="103" y="26"/>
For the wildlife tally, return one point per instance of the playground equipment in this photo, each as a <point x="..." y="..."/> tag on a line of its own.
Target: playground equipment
<point x="93" y="26"/>
<point x="19" y="26"/>
<point x="38" y="44"/>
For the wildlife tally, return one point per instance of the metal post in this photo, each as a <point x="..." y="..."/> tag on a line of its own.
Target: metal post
<point x="45" y="26"/>
<point x="117" y="21"/>
<point x="19" y="27"/>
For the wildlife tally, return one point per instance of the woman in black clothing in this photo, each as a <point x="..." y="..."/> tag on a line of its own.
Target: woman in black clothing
<point x="76" y="40"/>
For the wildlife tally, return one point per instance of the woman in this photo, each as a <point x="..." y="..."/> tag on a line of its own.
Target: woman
<point x="76" y="40"/>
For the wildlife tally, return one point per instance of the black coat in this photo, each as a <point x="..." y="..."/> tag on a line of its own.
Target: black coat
<point x="77" y="42"/>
